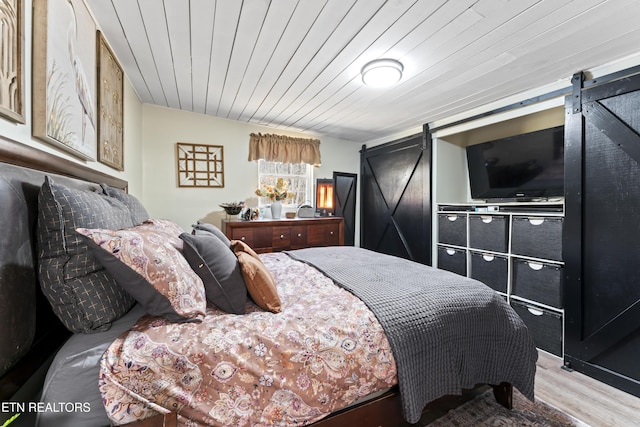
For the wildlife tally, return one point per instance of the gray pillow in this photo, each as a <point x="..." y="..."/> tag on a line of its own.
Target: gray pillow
<point x="138" y="212"/>
<point x="211" y="229"/>
<point x="219" y="270"/>
<point x="81" y="292"/>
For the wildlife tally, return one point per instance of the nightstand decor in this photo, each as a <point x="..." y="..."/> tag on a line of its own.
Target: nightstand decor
<point x="232" y="208"/>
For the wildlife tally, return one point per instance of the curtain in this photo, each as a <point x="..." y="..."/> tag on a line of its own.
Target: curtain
<point x="286" y="149"/>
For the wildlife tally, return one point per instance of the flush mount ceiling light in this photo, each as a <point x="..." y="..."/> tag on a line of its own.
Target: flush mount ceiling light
<point x="382" y="72"/>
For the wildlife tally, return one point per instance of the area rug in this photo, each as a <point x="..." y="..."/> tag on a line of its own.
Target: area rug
<point x="484" y="411"/>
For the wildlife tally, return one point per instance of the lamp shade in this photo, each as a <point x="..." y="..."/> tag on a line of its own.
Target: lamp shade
<point x="382" y="72"/>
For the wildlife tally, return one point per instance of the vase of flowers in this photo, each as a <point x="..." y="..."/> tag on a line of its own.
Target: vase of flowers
<point x="276" y="193"/>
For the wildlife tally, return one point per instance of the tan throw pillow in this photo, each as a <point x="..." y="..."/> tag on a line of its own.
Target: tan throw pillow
<point x="240" y="246"/>
<point x="257" y="277"/>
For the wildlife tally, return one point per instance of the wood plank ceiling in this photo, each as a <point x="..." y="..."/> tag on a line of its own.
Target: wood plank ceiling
<point x="295" y="64"/>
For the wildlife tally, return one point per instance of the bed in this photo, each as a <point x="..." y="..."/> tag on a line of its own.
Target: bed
<point x="322" y="343"/>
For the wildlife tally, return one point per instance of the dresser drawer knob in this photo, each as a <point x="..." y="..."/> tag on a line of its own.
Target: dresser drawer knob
<point x="331" y="233"/>
<point x="242" y="238"/>
<point x="281" y="236"/>
<point x="299" y="234"/>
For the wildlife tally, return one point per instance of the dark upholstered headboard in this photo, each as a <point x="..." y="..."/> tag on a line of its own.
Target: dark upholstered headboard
<point x="31" y="333"/>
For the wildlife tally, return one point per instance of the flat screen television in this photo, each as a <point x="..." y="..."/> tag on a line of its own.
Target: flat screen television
<point x="529" y="166"/>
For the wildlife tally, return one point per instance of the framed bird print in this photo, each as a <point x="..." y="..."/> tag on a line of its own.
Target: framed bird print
<point x="110" y="107"/>
<point x="64" y="76"/>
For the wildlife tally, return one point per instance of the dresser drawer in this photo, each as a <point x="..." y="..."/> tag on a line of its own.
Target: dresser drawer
<point x="492" y="270"/>
<point x="488" y="232"/>
<point x="298" y="236"/>
<point x="323" y="235"/>
<point x="452" y="259"/>
<point x="281" y="238"/>
<point x="545" y="326"/>
<point x="538" y="237"/>
<point x="332" y="234"/>
<point x="452" y="229"/>
<point x="243" y="234"/>
<point x="256" y="237"/>
<point x="537" y="281"/>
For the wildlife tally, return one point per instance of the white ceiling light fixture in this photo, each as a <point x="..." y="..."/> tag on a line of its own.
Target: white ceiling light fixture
<point x="382" y="72"/>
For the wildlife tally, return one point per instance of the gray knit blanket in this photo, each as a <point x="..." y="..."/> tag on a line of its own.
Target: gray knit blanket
<point x="447" y="332"/>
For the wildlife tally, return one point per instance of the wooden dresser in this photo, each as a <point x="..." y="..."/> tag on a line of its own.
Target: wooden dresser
<point x="283" y="234"/>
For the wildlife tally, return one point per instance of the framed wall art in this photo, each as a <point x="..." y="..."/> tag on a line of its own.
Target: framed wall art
<point x="12" y="60"/>
<point x="200" y="165"/>
<point x="110" y="107"/>
<point x="64" y="76"/>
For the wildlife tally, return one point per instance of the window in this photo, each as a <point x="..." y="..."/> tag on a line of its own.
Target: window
<point x="298" y="176"/>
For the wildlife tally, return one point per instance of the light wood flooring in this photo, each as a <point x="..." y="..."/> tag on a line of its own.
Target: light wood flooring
<point x="586" y="399"/>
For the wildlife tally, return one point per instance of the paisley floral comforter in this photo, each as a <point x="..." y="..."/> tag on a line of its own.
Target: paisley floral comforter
<point x="324" y="351"/>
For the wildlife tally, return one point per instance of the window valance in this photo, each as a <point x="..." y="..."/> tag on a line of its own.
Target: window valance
<point x="287" y="149"/>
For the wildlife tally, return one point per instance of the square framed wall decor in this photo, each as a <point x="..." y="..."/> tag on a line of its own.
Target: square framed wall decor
<point x="200" y="165"/>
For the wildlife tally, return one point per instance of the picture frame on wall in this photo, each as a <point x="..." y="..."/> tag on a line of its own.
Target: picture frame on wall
<point x="64" y="76"/>
<point x="110" y="106"/>
<point x="12" y="60"/>
<point x="200" y="165"/>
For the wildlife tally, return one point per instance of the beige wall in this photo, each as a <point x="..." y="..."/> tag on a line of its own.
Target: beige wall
<point x="132" y="119"/>
<point x="163" y="127"/>
<point x="150" y="134"/>
<point x="132" y="141"/>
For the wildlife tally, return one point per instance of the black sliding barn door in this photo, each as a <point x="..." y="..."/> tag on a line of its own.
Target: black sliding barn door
<point x="345" y="190"/>
<point x="395" y="211"/>
<point x="602" y="231"/>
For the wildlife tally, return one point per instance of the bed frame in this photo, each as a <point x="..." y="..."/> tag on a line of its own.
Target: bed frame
<point x="31" y="333"/>
<point x="35" y="332"/>
<point x="383" y="411"/>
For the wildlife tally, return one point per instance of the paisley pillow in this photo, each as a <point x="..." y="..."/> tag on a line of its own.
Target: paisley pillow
<point x="146" y="260"/>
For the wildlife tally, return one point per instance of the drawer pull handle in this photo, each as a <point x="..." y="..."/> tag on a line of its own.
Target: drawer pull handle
<point x="535" y="312"/>
<point x="451" y="252"/>
<point x="452" y="217"/>
<point x="281" y="236"/>
<point x="488" y="258"/>
<point x="486" y="219"/>
<point x="331" y="233"/>
<point x="299" y="234"/>
<point x="536" y="221"/>
<point x="242" y="238"/>
<point x="535" y="265"/>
